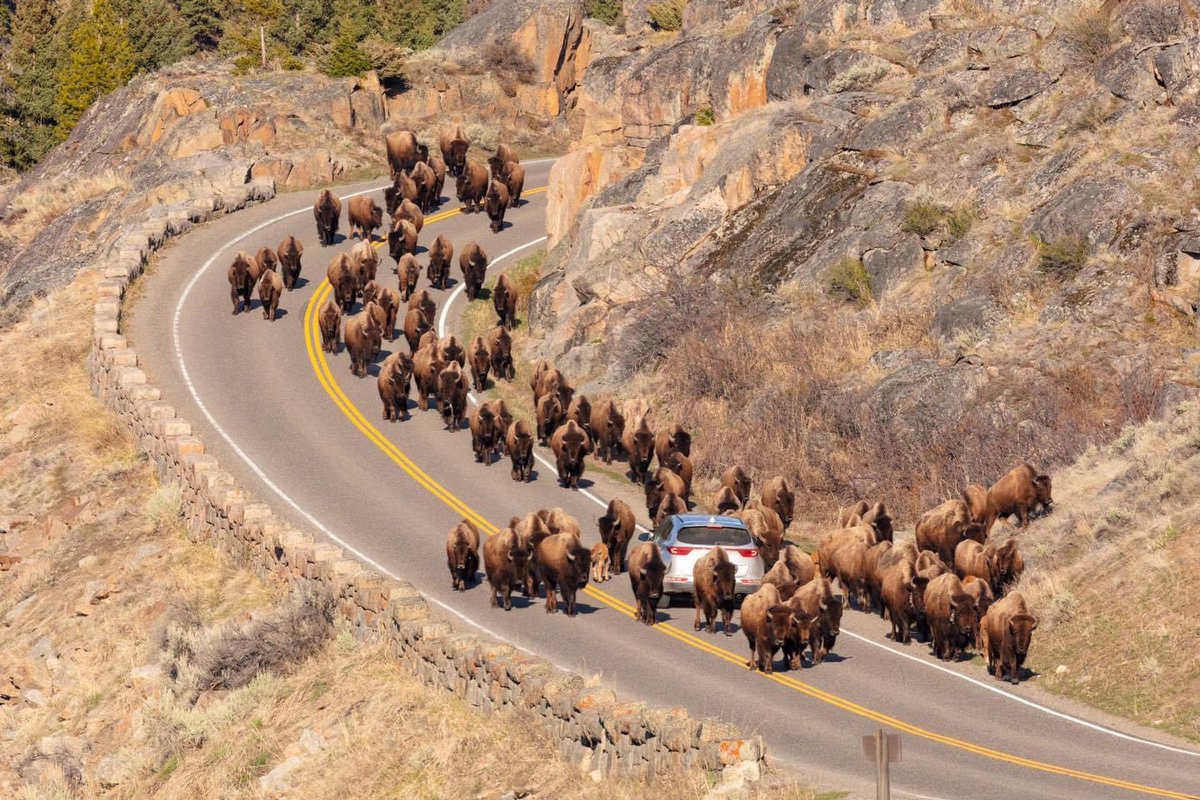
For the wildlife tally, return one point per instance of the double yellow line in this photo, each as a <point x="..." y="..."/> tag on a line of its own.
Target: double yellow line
<point x="320" y="365"/>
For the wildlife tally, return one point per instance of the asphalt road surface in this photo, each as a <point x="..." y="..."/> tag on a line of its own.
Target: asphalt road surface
<point x="307" y="436"/>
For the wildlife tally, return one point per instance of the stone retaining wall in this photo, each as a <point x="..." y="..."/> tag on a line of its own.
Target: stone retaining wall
<point x="592" y="727"/>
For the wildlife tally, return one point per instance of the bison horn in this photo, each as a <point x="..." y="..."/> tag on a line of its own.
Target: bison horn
<point x="570" y="556"/>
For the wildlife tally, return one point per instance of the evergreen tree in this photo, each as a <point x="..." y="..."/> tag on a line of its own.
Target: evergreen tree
<point x="157" y="31"/>
<point x="346" y="59"/>
<point x="203" y="23"/>
<point x="28" y="101"/>
<point x="102" y="59"/>
<point x="303" y="22"/>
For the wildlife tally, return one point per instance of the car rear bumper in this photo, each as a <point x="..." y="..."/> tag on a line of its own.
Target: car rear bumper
<point x="682" y="585"/>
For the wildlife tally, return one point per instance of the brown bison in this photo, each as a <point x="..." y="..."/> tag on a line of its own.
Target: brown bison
<point x="738" y="482"/>
<point x="290" y="251"/>
<point x="519" y="443"/>
<point x="462" y="554"/>
<point x="1021" y="492"/>
<point x="344" y="280"/>
<point x="241" y="281"/>
<point x="395" y="378"/>
<point x="617" y="528"/>
<point x="327" y="211"/>
<point x="331" y="326"/>
<point x="997" y="566"/>
<point x="500" y="160"/>
<point x="767" y="529"/>
<point x="496" y="204"/>
<point x="873" y="573"/>
<point x="661" y="484"/>
<point x="550" y="415"/>
<point x="402" y="242"/>
<point x="639" y="445"/>
<point x="389" y="300"/>
<point x="416" y="324"/>
<point x="439" y="177"/>
<point x="403" y="190"/>
<point x="825" y="630"/>
<point x="473" y="262"/>
<point x="878" y="518"/>
<point x="950" y="613"/>
<point x="505" y="560"/>
<point x="714" y="579"/>
<point x="903" y="595"/>
<point x="811" y="601"/>
<point x="831" y="541"/>
<point x="504" y="300"/>
<point x="515" y="182"/>
<point x="982" y="596"/>
<point x="846" y="514"/>
<point x="426" y="369"/>
<point x="930" y="564"/>
<point x="440" y="254"/>
<point x="454" y="145"/>
<point x="426" y="183"/>
<point x="607" y="427"/>
<point x="849" y="564"/>
<point x="362" y="337"/>
<point x="601" y="569"/>
<point x="449" y="349"/>
<point x="1005" y="634"/>
<point x="452" y="392"/>
<point x="481" y="362"/>
<point x="424" y="301"/>
<point x="777" y="494"/>
<point x="570" y="444"/>
<point x="580" y="410"/>
<point x="364" y="260"/>
<point x="365" y="216"/>
<point x="781" y="577"/>
<point x="499" y="345"/>
<point x="484" y="432"/>
<point x="266" y="259"/>
<point x="681" y="465"/>
<point x="409" y="272"/>
<point x="402" y="151"/>
<point x="798" y="562"/>
<point x="941" y="529"/>
<point x="563" y="565"/>
<point x="471" y="186"/>
<point x="672" y="440"/>
<point x="409" y="211"/>
<point x="270" y="289"/>
<point x="767" y="621"/>
<point x="646" y="573"/>
<point x="726" y="502"/>
<point x="668" y="505"/>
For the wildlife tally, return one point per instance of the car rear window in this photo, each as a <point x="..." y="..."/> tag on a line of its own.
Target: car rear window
<point x="726" y="537"/>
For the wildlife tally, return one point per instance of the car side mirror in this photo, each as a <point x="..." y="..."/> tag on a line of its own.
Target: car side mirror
<point x="644" y="536"/>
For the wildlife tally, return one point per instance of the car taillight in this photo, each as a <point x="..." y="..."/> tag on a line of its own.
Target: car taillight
<point x="749" y="552"/>
<point x="680" y="551"/>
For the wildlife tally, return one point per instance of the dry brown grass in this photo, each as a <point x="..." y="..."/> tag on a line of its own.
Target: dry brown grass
<point x="46" y="201"/>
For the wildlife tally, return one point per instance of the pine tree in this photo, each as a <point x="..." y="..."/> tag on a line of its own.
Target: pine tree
<point x="346" y="59"/>
<point x="303" y="23"/>
<point x="157" y="31"/>
<point x="28" y="105"/>
<point x="102" y="59"/>
<point x="203" y="22"/>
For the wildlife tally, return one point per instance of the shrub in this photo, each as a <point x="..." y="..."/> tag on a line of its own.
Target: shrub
<point x="850" y="281"/>
<point x="1062" y="258"/>
<point x="507" y="61"/>
<point x="1090" y="36"/>
<point x="859" y="76"/>
<point x="959" y="222"/>
<point x="667" y="15"/>
<point x="607" y="11"/>
<point x="245" y="64"/>
<point x="922" y="217"/>
<point x="346" y="59"/>
<point x="705" y="115"/>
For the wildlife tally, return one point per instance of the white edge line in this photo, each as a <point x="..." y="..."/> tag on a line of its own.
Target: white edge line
<point x="443" y="316"/>
<point x="257" y="470"/>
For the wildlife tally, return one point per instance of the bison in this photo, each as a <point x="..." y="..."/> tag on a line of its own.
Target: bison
<point x="481" y="362"/>
<point x="1021" y="492"/>
<point x="362" y="337"/>
<point x="903" y="594"/>
<point x="266" y="259"/>
<point x="519" y="443"/>
<point x="365" y="216"/>
<point x="1005" y="634"/>
<point x="714" y="581"/>
<point x="549" y="416"/>
<point x="290" y="251"/>
<point x="426" y="183"/>
<point x="777" y="494"/>
<point x="449" y="349"/>
<point x="270" y="289"/>
<point x="681" y="465"/>
<point x="402" y="241"/>
<point x="395" y="378"/>
<point x="327" y="211"/>
<point x="646" y="573"/>
<point x="607" y="427"/>
<point x="452" y="395"/>
<point x="439" y="178"/>
<point x="454" y="145"/>
<point x="661" y="484"/>
<point x="738" y="482"/>
<point x="364" y="261"/>
<point x="849" y="563"/>
<point x="471" y="186"/>
<point x="601" y="569"/>
<point x="408" y="211"/>
<point x="515" y="182"/>
<point x="462" y="554"/>
<point x="344" y="280"/>
<point x="473" y="262"/>
<point x="426" y="369"/>
<point x="500" y="160"/>
<point x="389" y="300"/>
<point x="846" y="514"/>
<point x="570" y="444"/>
<point x="402" y="151"/>
<point x="563" y="565"/>
<point x="496" y="204"/>
<point x="440" y="254"/>
<point x="409" y="272"/>
<point x="672" y="440"/>
<point x="726" y="502"/>
<point x="504" y="300"/>
<point x="799" y="563"/>
<point x="825" y="630"/>
<point x="950" y="613"/>
<point x="241" y="281"/>
<point x="982" y="596"/>
<point x="330" y="323"/>
<point x="617" y="528"/>
<point x="639" y="445"/>
<point x="941" y="529"/>
<point x="499" y="346"/>
<point x="668" y="505"/>
<point x="416" y="324"/>
<point x="767" y="621"/>
<point x="484" y="432"/>
<point x="781" y="577"/>
<point x="505" y="560"/>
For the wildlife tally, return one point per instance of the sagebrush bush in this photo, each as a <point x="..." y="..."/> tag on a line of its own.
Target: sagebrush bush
<point x="667" y="15"/>
<point x="607" y="11"/>
<point x="849" y="280"/>
<point x="922" y="217"/>
<point x="705" y="115"/>
<point x="1090" y="35"/>
<point x="1062" y="258"/>
<point x="860" y="76"/>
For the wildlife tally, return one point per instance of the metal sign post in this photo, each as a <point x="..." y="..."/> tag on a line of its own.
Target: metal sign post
<point x="884" y="749"/>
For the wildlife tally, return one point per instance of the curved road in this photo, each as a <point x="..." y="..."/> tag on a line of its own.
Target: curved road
<point x="307" y="436"/>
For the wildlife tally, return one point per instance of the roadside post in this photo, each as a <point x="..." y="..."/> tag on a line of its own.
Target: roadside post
<point x="883" y="749"/>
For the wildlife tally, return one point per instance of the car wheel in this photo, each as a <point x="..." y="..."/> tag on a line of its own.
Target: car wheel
<point x="664" y="601"/>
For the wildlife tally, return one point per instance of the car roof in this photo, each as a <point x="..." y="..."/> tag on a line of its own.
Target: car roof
<point x="702" y="520"/>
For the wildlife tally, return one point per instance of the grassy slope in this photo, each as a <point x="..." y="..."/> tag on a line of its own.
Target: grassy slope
<point x="98" y="581"/>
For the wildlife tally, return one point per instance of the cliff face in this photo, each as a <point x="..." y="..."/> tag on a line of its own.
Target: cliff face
<point x="998" y="201"/>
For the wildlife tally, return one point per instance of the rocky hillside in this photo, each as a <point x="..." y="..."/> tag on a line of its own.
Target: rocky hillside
<point x="154" y="146"/>
<point x="887" y="247"/>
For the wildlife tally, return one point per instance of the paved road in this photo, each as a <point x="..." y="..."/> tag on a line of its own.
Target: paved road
<point x="305" y="435"/>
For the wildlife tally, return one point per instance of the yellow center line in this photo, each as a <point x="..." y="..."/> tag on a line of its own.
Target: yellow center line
<point x="320" y="365"/>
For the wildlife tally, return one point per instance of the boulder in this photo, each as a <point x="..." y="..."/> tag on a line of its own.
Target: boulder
<point x="1008" y="86"/>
